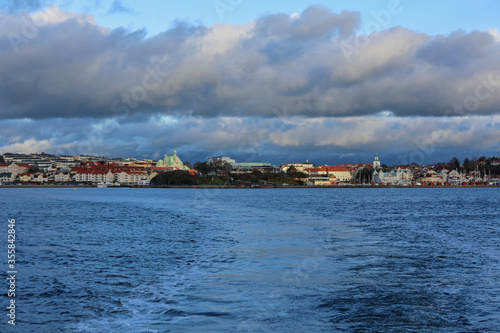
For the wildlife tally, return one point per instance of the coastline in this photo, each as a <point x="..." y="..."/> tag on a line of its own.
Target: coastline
<point x="247" y="188"/>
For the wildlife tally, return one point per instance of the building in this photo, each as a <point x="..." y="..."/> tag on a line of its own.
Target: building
<point x="62" y="177"/>
<point x="454" y="177"/>
<point x="25" y="177"/>
<point x="376" y="163"/>
<point x="335" y="174"/>
<point x="398" y="176"/>
<point x="249" y="167"/>
<point x="221" y="158"/>
<point x="130" y="178"/>
<point x="17" y="168"/>
<point x="432" y="176"/>
<point x="39" y="178"/>
<point x="299" y="167"/>
<point x="6" y="177"/>
<point x="97" y="172"/>
<point x="173" y="162"/>
<point x="321" y="181"/>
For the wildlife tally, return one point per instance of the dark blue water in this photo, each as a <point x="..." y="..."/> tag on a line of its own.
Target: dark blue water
<point x="236" y="260"/>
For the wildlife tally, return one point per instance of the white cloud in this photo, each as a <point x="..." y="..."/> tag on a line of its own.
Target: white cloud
<point x="28" y="146"/>
<point x="495" y="33"/>
<point x="53" y="15"/>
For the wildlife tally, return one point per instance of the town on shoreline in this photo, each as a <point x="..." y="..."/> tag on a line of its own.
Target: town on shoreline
<point x="48" y="170"/>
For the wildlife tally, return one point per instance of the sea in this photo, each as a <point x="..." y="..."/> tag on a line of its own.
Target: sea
<point x="252" y="260"/>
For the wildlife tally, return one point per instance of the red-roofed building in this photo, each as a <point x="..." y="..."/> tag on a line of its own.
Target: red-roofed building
<point x="25" y="177"/>
<point x="340" y="173"/>
<point x="62" y="177"/>
<point x="17" y="168"/>
<point x="94" y="172"/>
<point x="40" y="178"/>
<point x="92" y="175"/>
<point x="357" y="165"/>
<point x="296" y="166"/>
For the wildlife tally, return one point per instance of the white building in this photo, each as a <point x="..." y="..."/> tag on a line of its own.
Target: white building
<point x="432" y="176"/>
<point x="17" y="168"/>
<point x="221" y="158"/>
<point x="62" y="177"/>
<point x="376" y="163"/>
<point x="301" y="167"/>
<point x="93" y="176"/>
<point x="39" y="178"/>
<point x="6" y="177"/>
<point x="399" y="176"/>
<point x="130" y="177"/>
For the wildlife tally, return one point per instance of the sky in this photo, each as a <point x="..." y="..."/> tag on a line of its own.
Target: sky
<point x="264" y="81"/>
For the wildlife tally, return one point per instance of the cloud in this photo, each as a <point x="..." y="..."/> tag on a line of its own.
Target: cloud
<point x="67" y="66"/>
<point x="495" y="33"/>
<point x="29" y="146"/>
<point x="255" y="138"/>
<point x="118" y="7"/>
<point x="53" y="16"/>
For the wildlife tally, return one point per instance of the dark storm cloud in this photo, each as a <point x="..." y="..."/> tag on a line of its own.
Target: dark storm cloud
<point x="59" y="64"/>
<point x="457" y="49"/>
<point x="253" y="138"/>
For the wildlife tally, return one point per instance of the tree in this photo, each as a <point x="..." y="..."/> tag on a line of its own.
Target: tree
<point x="300" y="174"/>
<point x="453" y="164"/>
<point x="291" y="170"/>
<point x="202" y="167"/>
<point x="33" y="169"/>
<point x="177" y="177"/>
<point x="470" y="165"/>
<point x="1" y="159"/>
<point x="364" y="174"/>
<point x="220" y="167"/>
<point x="189" y="165"/>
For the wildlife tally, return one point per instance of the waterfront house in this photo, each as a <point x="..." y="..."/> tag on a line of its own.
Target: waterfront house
<point x="341" y="173"/>
<point x="7" y="177"/>
<point x="454" y="177"/>
<point x="398" y="176"/>
<point x="17" y="168"/>
<point x="25" y="177"/>
<point x="62" y="177"/>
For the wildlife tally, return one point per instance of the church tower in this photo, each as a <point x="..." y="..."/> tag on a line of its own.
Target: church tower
<point x="376" y="162"/>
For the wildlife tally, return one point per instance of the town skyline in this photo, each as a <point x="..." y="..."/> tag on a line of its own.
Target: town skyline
<point x="40" y="156"/>
<point x="406" y="159"/>
<point x="45" y="169"/>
